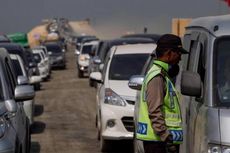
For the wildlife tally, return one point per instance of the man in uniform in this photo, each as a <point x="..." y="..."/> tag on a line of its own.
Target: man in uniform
<point x="159" y="121"/>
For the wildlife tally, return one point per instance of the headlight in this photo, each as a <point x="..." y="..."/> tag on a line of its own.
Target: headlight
<point x="3" y="127"/>
<point x="82" y="58"/>
<point x="59" y="58"/>
<point x="113" y="99"/>
<point x="214" y="148"/>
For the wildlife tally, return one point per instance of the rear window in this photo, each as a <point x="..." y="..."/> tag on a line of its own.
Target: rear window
<point x="123" y="66"/>
<point x="37" y="57"/>
<point x="86" y="49"/>
<point x="54" y="48"/>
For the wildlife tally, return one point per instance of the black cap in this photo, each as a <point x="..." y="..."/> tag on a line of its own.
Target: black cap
<point x="172" y="42"/>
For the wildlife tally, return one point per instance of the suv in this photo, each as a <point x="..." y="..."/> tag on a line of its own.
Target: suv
<point x="115" y="100"/>
<point x="20" y="70"/>
<point x="14" y="125"/>
<point x="56" y="54"/>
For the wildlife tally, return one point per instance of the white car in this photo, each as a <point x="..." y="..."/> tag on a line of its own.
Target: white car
<point x="47" y="58"/>
<point x="115" y="100"/>
<point x="43" y="66"/>
<point x="84" y="57"/>
<point x="20" y="70"/>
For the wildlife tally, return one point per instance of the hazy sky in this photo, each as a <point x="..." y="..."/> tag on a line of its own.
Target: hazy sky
<point x="110" y="17"/>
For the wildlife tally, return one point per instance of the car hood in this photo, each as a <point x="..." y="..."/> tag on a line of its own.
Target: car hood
<point x="224" y="126"/>
<point x="122" y="89"/>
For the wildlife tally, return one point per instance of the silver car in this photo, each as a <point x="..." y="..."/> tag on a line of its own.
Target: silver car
<point x="205" y="82"/>
<point x="14" y="125"/>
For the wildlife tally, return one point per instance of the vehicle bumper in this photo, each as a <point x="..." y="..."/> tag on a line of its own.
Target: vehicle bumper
<point x="117" y="114"/>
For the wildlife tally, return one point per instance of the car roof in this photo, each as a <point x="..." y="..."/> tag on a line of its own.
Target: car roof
<point x="135" y="49"/>
<point x="12" y="47"/>
<point x="91" y="43"/>
<point x="124" y="41"/>
<point x="217" y="25"/>
<point x="154" y="37"/>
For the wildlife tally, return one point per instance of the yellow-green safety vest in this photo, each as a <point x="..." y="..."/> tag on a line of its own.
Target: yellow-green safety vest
<point x="170" y="108"/>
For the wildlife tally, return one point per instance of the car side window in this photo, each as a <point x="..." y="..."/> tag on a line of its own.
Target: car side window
<point x="10" y="79"/>
<point x="196" y="60"/>
<point x="105" y="66"/>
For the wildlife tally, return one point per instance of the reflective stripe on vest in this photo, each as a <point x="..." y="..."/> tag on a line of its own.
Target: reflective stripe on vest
<point x="170" y="109"/>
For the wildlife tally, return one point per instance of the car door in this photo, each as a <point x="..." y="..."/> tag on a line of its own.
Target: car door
<point x="19" y="121"/>
<point x="195" y="64"/>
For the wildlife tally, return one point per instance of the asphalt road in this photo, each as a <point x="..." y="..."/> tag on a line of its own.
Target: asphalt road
<point x="65" y="115"/>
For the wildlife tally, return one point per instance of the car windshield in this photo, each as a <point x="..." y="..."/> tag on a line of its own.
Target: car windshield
<point x="222" y="71"/>
<point x="123" y="66"/>
<point x="17" y="67"/>
<point x="54" y="48"/>
<point x="37" y="57"/>
<point x="86" y="49"/>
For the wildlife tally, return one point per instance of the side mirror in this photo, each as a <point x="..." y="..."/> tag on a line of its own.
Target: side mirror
<point x="97" y="76"/>
<point x="35" y="79"/>
<point x="22" y="80"/>
<point x="32" y="64"/>
<point x="24" y="92"/>
<point x="101" y="66"/>
<point x="77" y="52"/>
<point x="11" y="106"/>
<point x="190" y="84"/>
<point x="136" y="81"/>
<point x="96" y="60"/>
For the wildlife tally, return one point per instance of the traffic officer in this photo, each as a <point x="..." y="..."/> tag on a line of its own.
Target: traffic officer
<point x="159" y="120"/>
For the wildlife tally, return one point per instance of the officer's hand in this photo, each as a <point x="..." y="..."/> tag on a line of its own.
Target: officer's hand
<point x="171" y="148"/>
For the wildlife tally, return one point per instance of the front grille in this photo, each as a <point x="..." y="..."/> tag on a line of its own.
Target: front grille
<point x="130" y="102"/>
<point x="128" y="123"/>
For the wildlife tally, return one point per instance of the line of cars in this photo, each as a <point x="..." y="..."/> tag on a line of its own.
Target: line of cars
<point x="22" y="71"/>
<point x="203" y="81"/>
<point x="109" y="65"/>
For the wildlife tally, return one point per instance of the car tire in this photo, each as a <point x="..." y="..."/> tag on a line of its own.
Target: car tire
<point x="104" y="144"/>
<point x="91" y="83"/>
<point x="28" y="137"/>
<point x="80" y="73"/>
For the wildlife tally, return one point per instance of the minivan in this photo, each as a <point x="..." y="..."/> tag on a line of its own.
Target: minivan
<point x="205" y="84"/>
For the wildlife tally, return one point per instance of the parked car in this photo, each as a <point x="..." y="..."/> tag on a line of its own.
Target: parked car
<point x="56" y="54"/>
<point x="47" y="58"/>
<point x="78" y="42"/>
<point x="42" y="64"/>
<point x="92" y="62"/>
<point x="20" y="70"/>
<point x="108" y="44"/>
<point x="115" y="100"/>
<point x="17" y="49"/>
<point x="84" y="57"/>
<point x="36" y="79"/>
<point x="15" y="131"/>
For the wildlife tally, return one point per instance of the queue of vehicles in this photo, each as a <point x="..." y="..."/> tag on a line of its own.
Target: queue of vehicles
<point x="22" y="71"/>
<point x="202" y="82"/>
